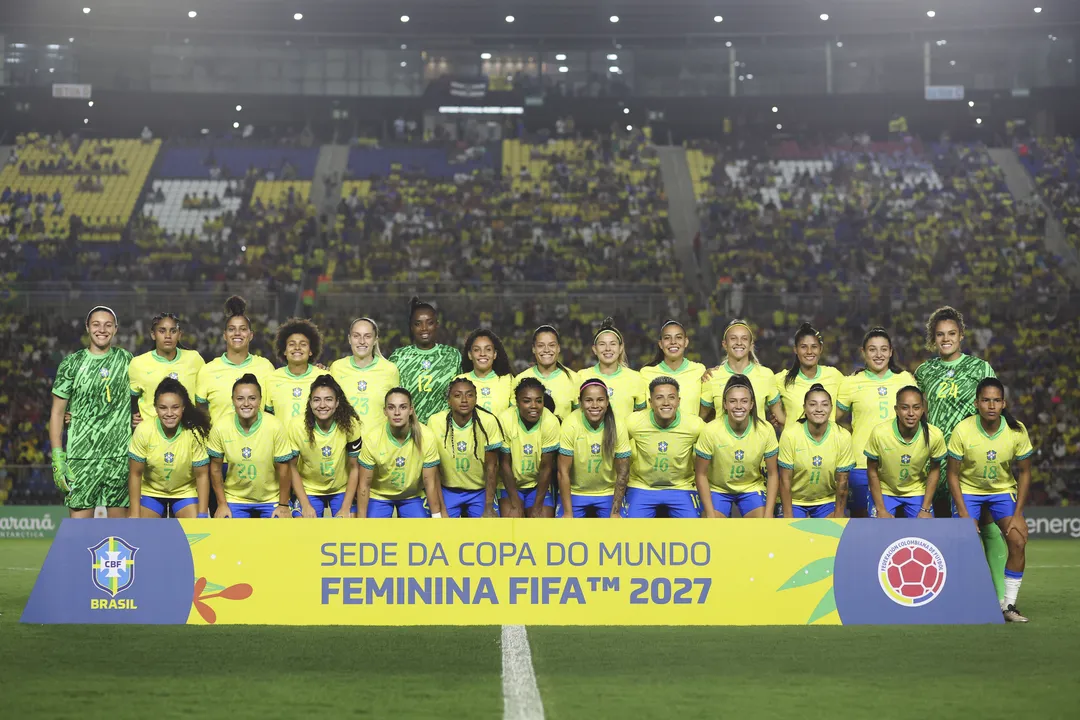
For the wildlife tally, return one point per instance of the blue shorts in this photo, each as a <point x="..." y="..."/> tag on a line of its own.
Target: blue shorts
<point x="252" y="510"/>
<point x="644" y="503"/>
<point x="528" y="497"/>
<point x="859" y="491"/>
<point x="416" y="507"/>
<point x="160" y="505"/>
<point x="813" y="511"/>
<point x="746" y="502"/>
<point x="465" y="503"/>
<point x="584" y="506"/>
<point x="1001" y="505"/>
<point x="321" y="502"/>
<point x="908" y="507"/>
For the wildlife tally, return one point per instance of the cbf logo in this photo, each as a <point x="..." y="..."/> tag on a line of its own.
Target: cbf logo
<point x="462" y="446"/>
<point x="246" y="453"/>
<point x="662" y="446"/>
<point x="595" y="447"/>
<point x="113" y="566"/>
<point x="104" y="372"/>
<point x="905" y="459"/>
<point x="362" y="385"/>
<point x="610" y="391"/>
<point x="739" y="455"/>
<point x="426" y="364"/>
<point x="991" y="455"/>
<point x="883" y="391"/>
<point x="174" y="376"/>
<point x="912" y="572"/>
<point x="485" y="391"/>
<point x="399" y="461"/>
<point x="169" y="458"/>
<point x="527" y="449"/>
<point x="816" y="461"/>
<point x="297" y="392"/>
<point x="327" y="451"/>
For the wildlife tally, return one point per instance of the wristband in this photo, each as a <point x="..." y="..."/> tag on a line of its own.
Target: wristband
<point x="436" y="515"/>
<point x="284" y="505"/>
<point x="927" y="510"/>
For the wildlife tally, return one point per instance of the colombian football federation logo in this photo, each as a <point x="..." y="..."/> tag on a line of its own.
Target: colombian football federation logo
<point x="462" y="446"/>
<point x="883" y="391"/>
<point x="297" y="392"/>
<point x="327" y="451"/>
<point x="595" y="447"/>
<point x="739" y="455"/>
<point x="362" y="385"/>
<point x="113" y="566"/>
<point x="912" y="572"/>
<point x="527" y="449"/>
<point x="991" y="455"/>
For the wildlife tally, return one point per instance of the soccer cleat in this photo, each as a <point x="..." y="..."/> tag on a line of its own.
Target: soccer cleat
<point x="1013" y="615"/>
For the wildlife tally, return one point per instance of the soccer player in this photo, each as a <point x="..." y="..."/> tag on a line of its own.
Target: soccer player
<point x="426" y="368"/>
<point x="741" y="359"/>
<point x="366" y="375"/>
<point x="469" y="440"/>
<point x="327" y="443"/>
<point x="298" y="343"/>
<point x="530" y="443"/>
<point x="91" y="383"/>
<point x="815" y="459"/>
<point x="662" y="442"/>
<point x="982" y="450"/>
<point x="166" y="360"/>
<point x="168" y="468"/>
<point x="256" y="447"/>
<point x="804" y="372"/>
<point x="626" y="390"/>
<point x="485" y="362"/>
<point x="670" y="361"/>
<point x="214" y="387"/>
<point x="594" y="456"/>
<point x="399" y="466"/>
<point x="948" y="382"/>
<point x="868" y="398"/>
<point x="904" y="459"/>
<point x="730" y="453"/>
<point x="558" y="381"/>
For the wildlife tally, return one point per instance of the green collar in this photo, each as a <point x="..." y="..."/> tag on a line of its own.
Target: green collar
<point x="390" y="434"/>
<point x="1001" y="426"/>
<point x="600" y="373"/>
<point x="230" y="363"/>
<point x="816" y="374"/>
<point x="588" y="425"/>
<point x="749" y="369"/>
<point x="727" y="425"/>
<point x="473" y="376"/>
<point x="154" y="354"/>
<point x="662" y="365"/>
<point x="352" y="361"/>
<point x="870" y="375"/>
<point x="554" y="373"/>
<point x="289" y="373"/>
<point x="896" y="432"/>
<point x="674" y="423"/>
<point x="806" y="429"/>
<point x="327" y="433"/>
<point x="521" y="423"/>
<point x="254" y="427"/>
<point x="161" y="431"/>
<point x="452" y="419"/>
<point x="950" y="363"/>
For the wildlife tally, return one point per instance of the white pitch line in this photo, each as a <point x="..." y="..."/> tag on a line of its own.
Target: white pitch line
<point x="1050" y="567"/>
<point x="521" y="696"/>
<point x="20" y="568"/>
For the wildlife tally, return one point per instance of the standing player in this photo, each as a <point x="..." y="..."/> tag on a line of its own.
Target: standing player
<point x="594" y="457"/>
<point x="166" y="360"/>
<point x="299" y="344"/>
<point x="869" y="397"/>
<point x="626" y="389"/>
<point x="730" y="453"/>
<point x="815" y="459"/>
<point x="256" y="448"/>
<point x="485" y="362"/>
<point x="742" y="360"/>
<point x="982" y="450"/>
<point x="426" y="368"/>
<point x="327" y="443"/>
<point x="670" y="361"/>
<point x="530" y="443"/>
<point x="169" y="469"/>
<point x="662" y="441"/>
<point x="904" y="460"/>
<point x="558" y="381"/>
<point x="214" y="387"/>
<point x="470" y="438"/>
<point x="804" y="372"/>
<point x="92" y="384"/>
<point x="948" y="381"/>
<point x="366" y="375"/>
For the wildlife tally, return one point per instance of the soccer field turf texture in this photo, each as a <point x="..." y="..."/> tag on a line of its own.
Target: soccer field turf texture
<point x="1010" y="671"/>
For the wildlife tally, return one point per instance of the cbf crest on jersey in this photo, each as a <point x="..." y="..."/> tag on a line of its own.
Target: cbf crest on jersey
<point x="883" y="391"/>
<point x="113" y="565"/>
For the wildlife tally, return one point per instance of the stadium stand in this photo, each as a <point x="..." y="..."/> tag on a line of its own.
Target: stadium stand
<point x="187" y="206"/>
<point x="205" y="161"/>
<point x="1055" y="165"/>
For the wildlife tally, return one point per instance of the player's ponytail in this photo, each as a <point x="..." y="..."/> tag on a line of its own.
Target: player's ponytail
<point x="608" y="326"/>
<point x="236" y="306"/>
<point x="741" y="381"/>
<point x="607" y="444"/>
<point x="345" y="417"/>
<point x="416" y="305"/>
<point x="922" y="418"/>
<point x="193" y="417"/>
<point x="993" y="382"/>
<point x="880" y="332"/>
<point x="815" y="388"/>
<point x="805" y="330"/>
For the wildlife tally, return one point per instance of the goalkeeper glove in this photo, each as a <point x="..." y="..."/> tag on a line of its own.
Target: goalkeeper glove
<point x="61" y="472"/>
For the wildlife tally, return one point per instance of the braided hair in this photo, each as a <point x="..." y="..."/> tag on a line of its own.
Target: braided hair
<point x="345" y="417"/>
<point x="805" y="330"/>
<point x="474" y="418"/>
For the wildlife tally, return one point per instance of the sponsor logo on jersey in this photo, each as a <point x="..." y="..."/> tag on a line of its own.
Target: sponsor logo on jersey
<point x="912" y="572"/>
<point x="113" y="565"/>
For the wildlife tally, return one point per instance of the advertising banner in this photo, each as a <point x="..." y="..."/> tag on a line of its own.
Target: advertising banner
<point x="30" y="522"/>
<point x="1053" y="522"/>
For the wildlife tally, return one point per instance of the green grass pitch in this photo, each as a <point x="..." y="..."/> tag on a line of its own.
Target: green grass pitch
<point x="116" y="672"/>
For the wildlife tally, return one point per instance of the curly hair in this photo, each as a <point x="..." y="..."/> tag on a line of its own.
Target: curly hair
<point x="345" y="417"/>
<point x="193" y="418"/>
<point x="501" y="365"/>
<point x="299" y="326"/>
<point x="942" y="314"/>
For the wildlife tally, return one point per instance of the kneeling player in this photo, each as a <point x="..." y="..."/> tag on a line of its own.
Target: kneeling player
<point x="327" y="444"/>
<point x="897" y="452"/>
<point x="815" y="459"/>
<point x="594" y="457"/>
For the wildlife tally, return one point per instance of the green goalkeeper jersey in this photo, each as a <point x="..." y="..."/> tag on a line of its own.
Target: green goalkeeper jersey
<point x="427" y="375"/>
<point x="96" y="388"/>
<point x="949" y="388"/>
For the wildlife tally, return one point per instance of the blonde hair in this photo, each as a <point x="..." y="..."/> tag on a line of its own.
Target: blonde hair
<point x="374" y="326"/>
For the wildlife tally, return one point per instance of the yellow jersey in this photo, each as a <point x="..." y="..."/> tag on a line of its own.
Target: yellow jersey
<point x="663" y="457"/>
<point x="871" y="400"/>
<point x="493" y="393"/>
<point x="561" y="385"/>
<point x="146" y="372"/>
<point x="794" y="395"/>
<point x="366" y="387"/>
<point x="322" y="463"/>
<point x="986" y="460"/>
<point x="815" y="463"/>
<point x="904" y="464"/>
<point x="735" y="461"/>
<point x="288" y="394"/>
<point x="252" y="456"/>
<point x="527" y="446"/>
<point x="761" y="378"/>
<point x="215" y="383"/>
<point x="170" y="461"/>
<point x="688" y="376"/>
<point x="397" y="466"/>
<point x="462" y="450"/>
<point x="626" y="390"/>
<point x="591" y="473"/>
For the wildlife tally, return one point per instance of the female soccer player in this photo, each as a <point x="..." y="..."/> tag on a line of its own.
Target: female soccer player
<point x="168" y="468"/>
<point x="214" y="386"/>
<point x="255" y="445"/>
<point x="91" y="383"/>
<point x="662" y="442"/>
<point x="298" y="343"/>
<point x="904" y="460"/>
<point x="868" y="396"/>
<point x="426" y="368"/>
<point x="742" y="360"/>
<point x="166" y="360"/>
<point x="530" y="443"/>
<point x="327" y="444"/>
<point x="366" y="375"/>
<point x="815" y="459"/>
<point x="670" y="361"/>
<point x="594" y="456"/>
<point x="730" y="454"/>
<point x="558" y="381"/>
<point x="804" y="372"/>
<point x="399" y="466"/>
<point x="485" y="362"/>
<point x="982" y="450"/>
<point x="469" y="439"/>
<point x="626" y="389"/>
